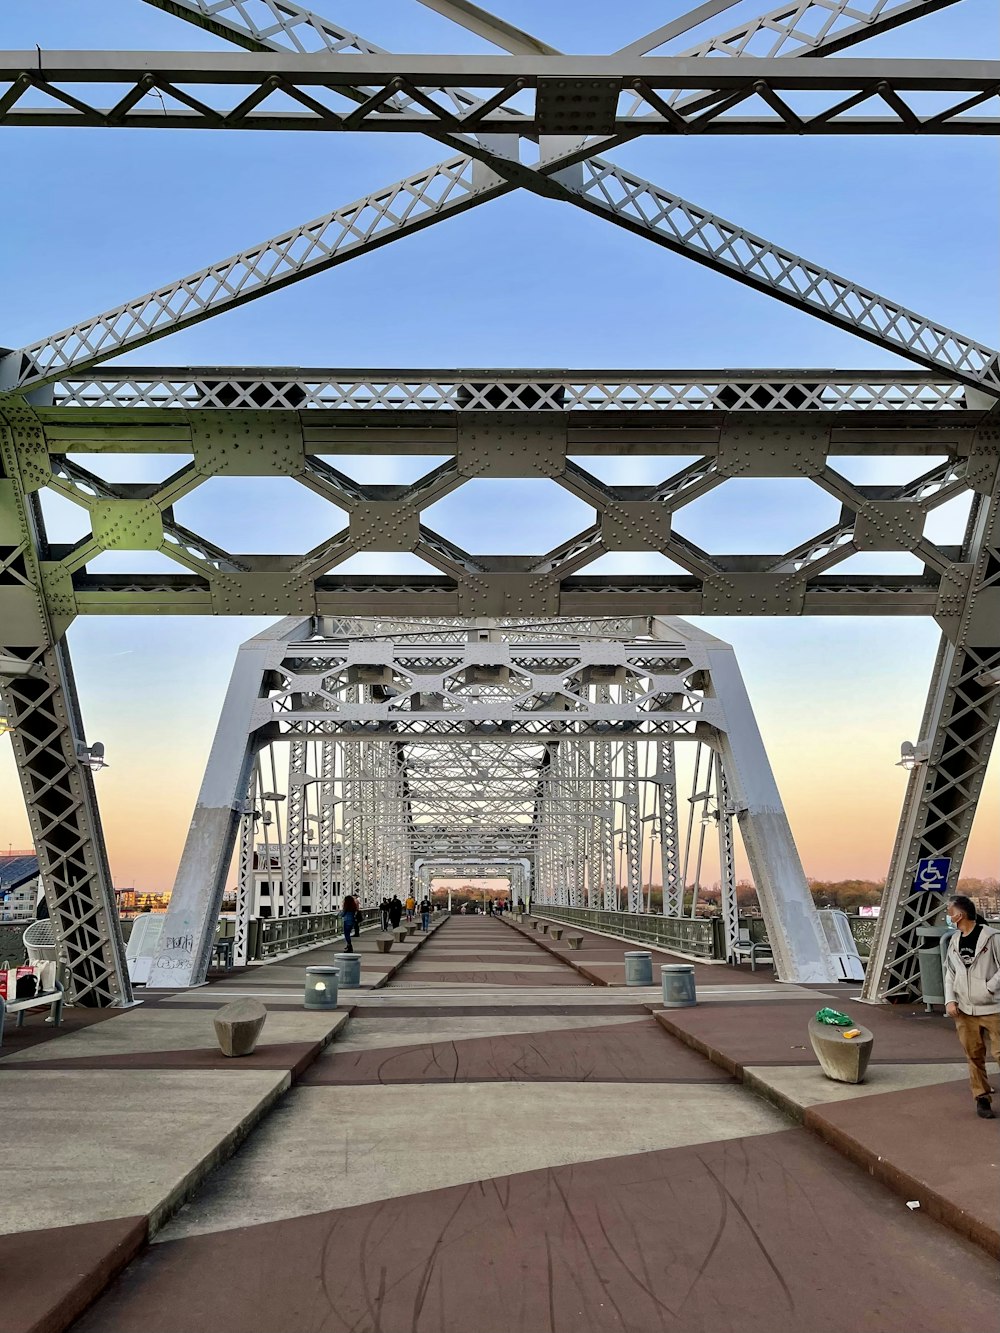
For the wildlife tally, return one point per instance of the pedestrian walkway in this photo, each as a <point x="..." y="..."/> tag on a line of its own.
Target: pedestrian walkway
<point x="755" y="1029"/>
<point x="479" y="1152"/>
<point x="112" y="1120"/>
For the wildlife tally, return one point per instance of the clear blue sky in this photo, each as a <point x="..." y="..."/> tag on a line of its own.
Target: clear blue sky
<point x="95" y="217"/>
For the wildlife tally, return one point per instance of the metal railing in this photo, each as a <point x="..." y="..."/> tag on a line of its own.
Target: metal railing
<point x="274" y="935"/>
<point x="701" y="937"/>
<point x="287" y="934"/>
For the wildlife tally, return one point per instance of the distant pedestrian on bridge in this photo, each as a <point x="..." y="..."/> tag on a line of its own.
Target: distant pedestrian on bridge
<point x="395" y="911"/>
<point x="972" y="993"/>
<point x="425" y="914"/>
<point x="350" y="909"/>
<point x="411" y="904"/>
<point x="383" y="909"/>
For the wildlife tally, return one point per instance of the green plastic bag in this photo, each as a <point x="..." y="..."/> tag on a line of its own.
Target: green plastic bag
<point x="833" y="1018"/>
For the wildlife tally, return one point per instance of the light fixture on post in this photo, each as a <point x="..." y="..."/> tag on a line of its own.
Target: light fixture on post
<point x="989" y="679"/>
<point x="92" y="756"/>
<point x="912" y="755"/>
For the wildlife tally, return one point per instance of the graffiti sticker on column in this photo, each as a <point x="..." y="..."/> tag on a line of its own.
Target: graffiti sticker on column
<point x="932" y="874"/>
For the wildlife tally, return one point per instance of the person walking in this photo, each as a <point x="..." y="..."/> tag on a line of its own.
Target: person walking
<point x="383" y="909"/>
<point x="411" y="903"/>
<point x="395" y="911"/>
<point x="350" y="909"/>
<point x="972" y="993"/>
<point x="425" y="914"/>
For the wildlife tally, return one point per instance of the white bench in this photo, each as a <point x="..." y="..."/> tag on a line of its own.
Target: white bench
<point x="52" y="998"/>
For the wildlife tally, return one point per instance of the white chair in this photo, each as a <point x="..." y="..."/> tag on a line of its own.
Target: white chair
<point x="840" y="938"/>
<point x="39" y="942"/>
<point x="145" y="936"/>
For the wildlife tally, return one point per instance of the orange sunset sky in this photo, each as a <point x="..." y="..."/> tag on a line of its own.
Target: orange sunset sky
<point x="833" y="698"/>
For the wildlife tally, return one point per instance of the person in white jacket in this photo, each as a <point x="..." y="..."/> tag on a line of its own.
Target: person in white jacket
<point x="972" y="993"/>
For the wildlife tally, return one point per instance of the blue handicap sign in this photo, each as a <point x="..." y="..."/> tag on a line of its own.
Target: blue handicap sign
<point x="932" y="874"/>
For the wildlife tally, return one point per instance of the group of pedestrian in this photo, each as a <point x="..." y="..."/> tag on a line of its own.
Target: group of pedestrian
<point x="391" y="911"/>
<point x="497" y="906"/>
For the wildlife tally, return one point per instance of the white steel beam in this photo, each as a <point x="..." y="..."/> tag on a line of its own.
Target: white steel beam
<point x="184" y="950"/>
<point x="801" y="951"/>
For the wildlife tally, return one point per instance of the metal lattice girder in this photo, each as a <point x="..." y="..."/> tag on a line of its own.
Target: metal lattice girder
<point x="44" y="722"/>
<point x="632" y="827"/>
<point x="245" y="872"/>
<point x="529" y="96"/>
<point x="797" y="25"/>
<point x="38" y="695"/>
<point x="727" y="862"/>
<point x="957" y="733"/>
<point x="431" y="693"/>
<point x="361" y="226"/>
<point x="591" y="414"/>
<point x="327" y="825"/>
<point x="669" y="829"/>
<point x="295" y="845"/>
<point x="128" y="388"/>
<point x="294" y="255"/>
<point x="606" y="190"/>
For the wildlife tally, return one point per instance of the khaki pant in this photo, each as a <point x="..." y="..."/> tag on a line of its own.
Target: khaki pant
<point x="970" y="1028"/>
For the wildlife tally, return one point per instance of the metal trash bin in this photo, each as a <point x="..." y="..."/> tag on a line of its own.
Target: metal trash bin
<point x="678" y="985"/>
<point x="930" y="958"/>
<point x="350" y="968"/>
<point x="639" y="968"/>
<point x="321" y="987"/>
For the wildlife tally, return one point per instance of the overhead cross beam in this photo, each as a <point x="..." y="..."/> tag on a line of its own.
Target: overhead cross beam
<point x="528" y="96"/>
<point x="457" y="185"/>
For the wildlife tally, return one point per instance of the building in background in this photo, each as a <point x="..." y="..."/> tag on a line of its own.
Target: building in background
<point x="131" y="902"/>
<point x="268" y="885"/>
<point x="20" y="885"/>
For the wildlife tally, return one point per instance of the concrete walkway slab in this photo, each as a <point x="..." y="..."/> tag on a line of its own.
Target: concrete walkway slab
<point x="140" y="1031"/>
<point x="335" y="1147"/>
<point x="794" y="1087"/>
<point x="117" y="1169"/>
<point x="768" y="1234"/>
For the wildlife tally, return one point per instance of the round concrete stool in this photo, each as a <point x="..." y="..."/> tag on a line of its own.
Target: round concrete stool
<point x="639" y="968"/>
<point x="321" y="987"/>
<point x="350" y="968"/>
<point x="678" y="985"/>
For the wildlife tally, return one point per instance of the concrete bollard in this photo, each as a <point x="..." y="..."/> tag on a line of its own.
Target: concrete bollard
<point x="639" y="968"/>
<point x="383" y="943"/>
<point x="545" y="927"/>
<point x="555" y="932"/>
<point x="238" y="1025"/>
<point x="321" y="987"/>
<point x="575" y="941"/>
<point x="678" y="985"/>
<point x="350" y="968"/>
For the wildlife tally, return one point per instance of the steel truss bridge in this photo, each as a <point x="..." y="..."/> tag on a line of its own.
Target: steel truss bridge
<point x="530" y="119"/>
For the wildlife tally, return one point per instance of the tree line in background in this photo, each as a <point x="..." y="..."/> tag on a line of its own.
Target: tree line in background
<point x="846" y="894"/>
